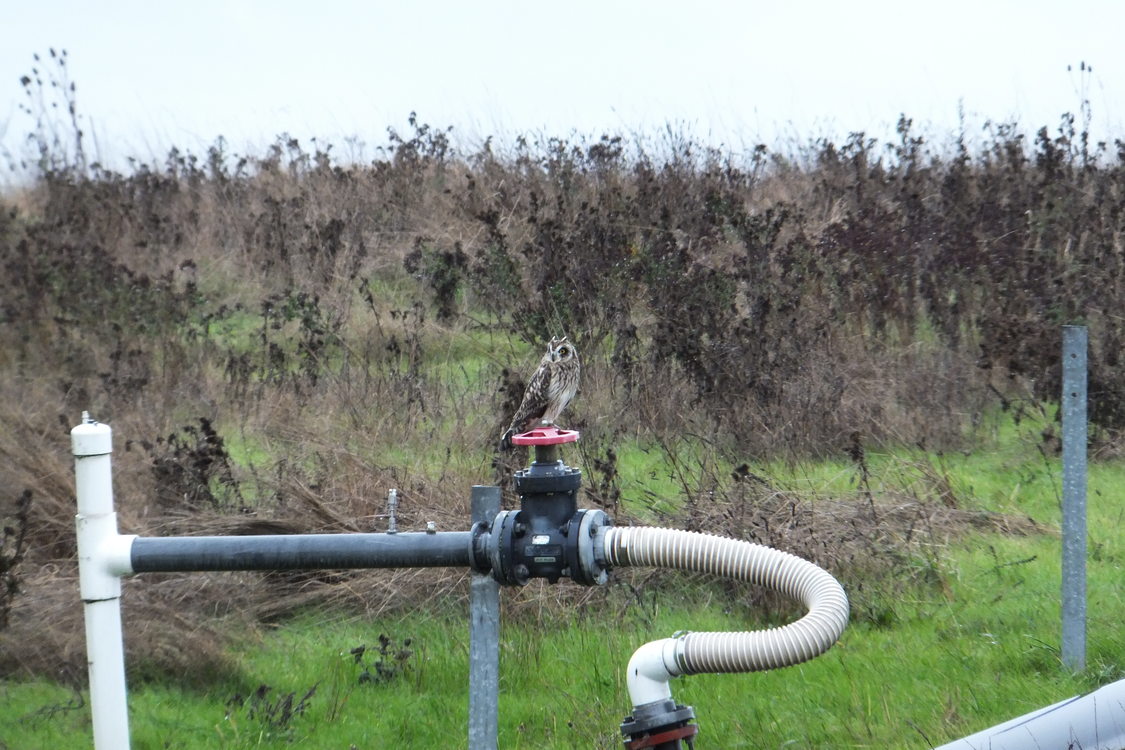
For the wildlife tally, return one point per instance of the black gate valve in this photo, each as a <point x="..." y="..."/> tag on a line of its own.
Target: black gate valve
<point x="548" y="537"/>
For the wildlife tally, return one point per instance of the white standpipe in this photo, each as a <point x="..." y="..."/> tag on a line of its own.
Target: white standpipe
<point x="657" y="662"/>
<point x="103" y="557"/>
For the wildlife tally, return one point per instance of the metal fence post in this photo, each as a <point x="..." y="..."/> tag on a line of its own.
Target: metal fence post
<point x="1074" y="497"/>
<point x="484" y="637"/>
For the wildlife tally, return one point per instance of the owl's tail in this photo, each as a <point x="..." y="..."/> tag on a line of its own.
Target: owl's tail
<point x="506" y="439"/>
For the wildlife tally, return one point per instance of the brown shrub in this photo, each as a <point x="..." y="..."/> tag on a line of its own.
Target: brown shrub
<point x="278" y="340"/>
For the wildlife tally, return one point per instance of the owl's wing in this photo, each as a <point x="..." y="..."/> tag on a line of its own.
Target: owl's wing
<point x="534" y="403"/>
<point x="535" y="397"/>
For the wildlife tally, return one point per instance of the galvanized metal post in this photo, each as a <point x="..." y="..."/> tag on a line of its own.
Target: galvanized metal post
<point x="1074" y="497"/>
<point x="484" y="637"/>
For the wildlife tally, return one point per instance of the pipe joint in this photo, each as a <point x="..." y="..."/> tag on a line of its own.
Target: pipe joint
<point x="479" y="546"/>
<point x="650" y="669"/>
<point x="99" y="563"/>
<point x="660" y="725"/>
<point x="549" y="536"/>
<point x="525" y="544"/>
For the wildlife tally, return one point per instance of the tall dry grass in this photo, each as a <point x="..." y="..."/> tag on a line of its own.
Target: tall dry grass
<point x="277" y="340"/>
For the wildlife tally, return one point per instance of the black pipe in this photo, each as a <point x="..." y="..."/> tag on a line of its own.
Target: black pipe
<point x="302" y="551"/>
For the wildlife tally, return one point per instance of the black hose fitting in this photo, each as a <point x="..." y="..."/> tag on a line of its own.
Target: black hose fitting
<point x="661" y="725"/>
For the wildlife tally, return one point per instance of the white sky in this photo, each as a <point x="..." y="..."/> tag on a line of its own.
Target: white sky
<point x="153" y="74"/>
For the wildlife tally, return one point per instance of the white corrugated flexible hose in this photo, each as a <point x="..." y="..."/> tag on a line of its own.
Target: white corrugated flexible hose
<point x="656" y="662"/>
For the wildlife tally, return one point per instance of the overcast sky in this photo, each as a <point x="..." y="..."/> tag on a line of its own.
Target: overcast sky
<point x="154" y="74"/>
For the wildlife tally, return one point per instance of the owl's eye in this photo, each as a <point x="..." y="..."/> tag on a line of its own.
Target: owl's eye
<point x="563" y="351"/>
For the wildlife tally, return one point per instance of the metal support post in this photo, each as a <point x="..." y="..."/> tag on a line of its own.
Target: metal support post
<point x="1074" y="497"/>
<point x="484" y="637"/>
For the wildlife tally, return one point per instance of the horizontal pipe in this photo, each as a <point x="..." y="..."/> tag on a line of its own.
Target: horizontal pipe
<point x="301" y="551"/>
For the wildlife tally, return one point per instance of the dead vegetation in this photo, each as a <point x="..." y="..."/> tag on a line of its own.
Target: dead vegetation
<point x="278" y="340"/>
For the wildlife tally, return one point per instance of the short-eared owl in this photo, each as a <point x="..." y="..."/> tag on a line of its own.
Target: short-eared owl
<point x="551" y="387"/>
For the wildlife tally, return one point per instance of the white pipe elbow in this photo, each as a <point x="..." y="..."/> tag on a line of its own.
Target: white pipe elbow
<point x="650" y="669"/>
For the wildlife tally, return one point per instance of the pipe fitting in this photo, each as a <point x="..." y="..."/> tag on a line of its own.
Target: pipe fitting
<point x="549" y="536"/>
<point x="585" y="548"/>
<point x="522" y="544"/>
<point x="650" y="669"/>
<point x="695" y="653"/>
<point x="660" y="725"/>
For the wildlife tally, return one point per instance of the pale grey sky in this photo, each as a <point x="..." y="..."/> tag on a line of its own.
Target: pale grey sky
<point x="155" y="74"/>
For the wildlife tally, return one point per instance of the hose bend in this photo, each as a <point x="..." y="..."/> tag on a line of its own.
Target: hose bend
<point x="695" y="653"/>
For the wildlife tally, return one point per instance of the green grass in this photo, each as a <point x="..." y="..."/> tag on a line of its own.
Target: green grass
<point x="948" y="667"/>
<point x="650" y="486"/>
<point x="977" y="647"/>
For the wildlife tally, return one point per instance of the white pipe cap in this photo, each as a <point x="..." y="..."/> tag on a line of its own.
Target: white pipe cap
<point x="91" y="438"/>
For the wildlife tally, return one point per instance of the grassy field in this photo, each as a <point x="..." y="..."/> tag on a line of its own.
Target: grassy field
<point x="839" y="350"/>
<point x="976" y="644"/>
